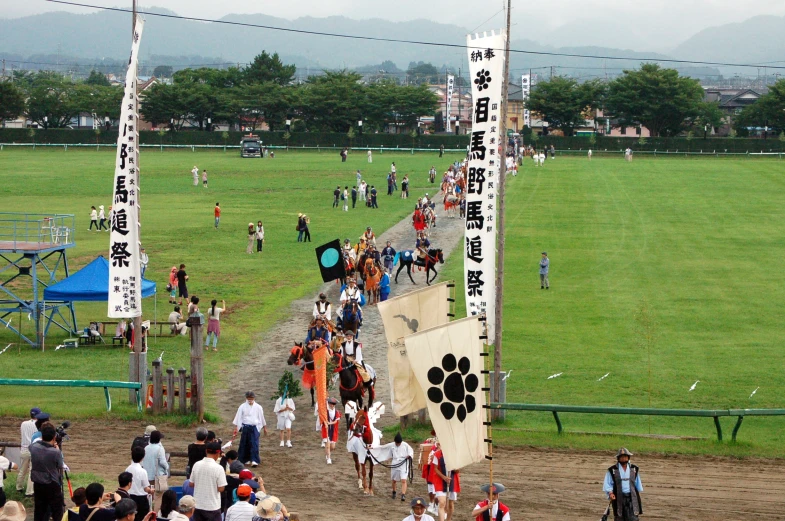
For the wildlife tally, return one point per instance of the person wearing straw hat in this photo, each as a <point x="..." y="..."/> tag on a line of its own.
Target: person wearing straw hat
<point x="270" y="508"/>
<point x="623" y="486"/>
<point x="491" y="508"/>
<point x="13" y="511"/>
<point x="251" y="237"/>
<point x="418" y="511"/>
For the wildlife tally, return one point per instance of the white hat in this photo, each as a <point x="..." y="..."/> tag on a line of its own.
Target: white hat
<point x="101" y="207"/>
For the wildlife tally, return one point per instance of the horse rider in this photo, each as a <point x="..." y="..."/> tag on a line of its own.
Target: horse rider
<point x="351" y="293"/>
<point x="422" y="246"/>
<point x="360" y="247"/>
<point x="388" y="255"/>
<point x="322" y="308"/>
<point x="373" y="253"/>
<point x="352" y="353"/>
<point x="318" y="332"/>
<point x="369" y="236"/>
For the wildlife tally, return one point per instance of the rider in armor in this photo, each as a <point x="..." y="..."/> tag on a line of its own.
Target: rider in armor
<point x="422" y="246"/>
<point x="369" y="237"/>
<point x="322" y="308"/>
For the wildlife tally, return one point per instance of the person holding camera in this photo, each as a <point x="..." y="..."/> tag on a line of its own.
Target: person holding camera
<point x="46" y="472"/>
<point x="93" y="508"/>
<point x="5" y="464"/>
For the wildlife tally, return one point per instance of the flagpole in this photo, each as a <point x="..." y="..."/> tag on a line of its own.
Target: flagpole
<point x="141" y="362"/>
<point x="497" y="340"/>
<point x="489" y="415"/>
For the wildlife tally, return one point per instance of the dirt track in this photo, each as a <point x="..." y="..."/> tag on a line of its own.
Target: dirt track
<point x="542" y="484"/>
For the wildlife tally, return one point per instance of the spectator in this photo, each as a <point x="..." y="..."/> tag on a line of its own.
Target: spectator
<point x="127" y="510"/>
<point x="188" y="487"/>
<point x="47" y="465"/>
<point x="336" y="195"/>
<point x="186" y="507"/>
<point x="144" y="440"/>
<point x="270" y="508"/>
<point x="169" y="506"/>
<point x="228" y="459"/>
<point x="92" y="508"/>
<point x="27" y="429"/>
<point x="78" y="498"/>
<point x="155" y="465"/>
<point x="172" y="286"/>
<point x="140" y="484"/>
<point x="124" y="485"/>
<point x="251" y="237"/>
<point x="217" y="213"/>
<point x="243" y="510"/>
<point x="5" y="464"/>
<point x="182" y="279"/>
<point x="196" y="450"/>
<point x="144" y="260"/>
<point x="306" y="230"/>
<point x="175" y="324"/>
<point x="209" y="481"/>
<point x="259" y="237"/>
<point x="374" y="204"/>
<point x="13" y="511"/>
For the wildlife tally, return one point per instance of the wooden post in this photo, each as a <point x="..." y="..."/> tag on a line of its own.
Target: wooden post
<point x="182" y="390"/>
<point x="422" y="416"/>
<point x="497" y="340"/>
<point x="197" y="374"/>
<point x="158" y="384"/>
<point x="404" y="421"/>
<point x="170" y="390"/>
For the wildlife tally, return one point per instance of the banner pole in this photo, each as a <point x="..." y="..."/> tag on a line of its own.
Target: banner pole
<point x="486" y="353"/>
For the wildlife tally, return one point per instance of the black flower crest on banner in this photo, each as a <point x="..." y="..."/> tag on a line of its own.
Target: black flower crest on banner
<point x="482" y="80"/>
<point x="453" y="384"/>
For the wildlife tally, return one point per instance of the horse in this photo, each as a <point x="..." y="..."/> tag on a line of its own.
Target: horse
<point x="304" y="355"/>
<point x="352" y="318"/>
<point x="373" y="275"/>
<point x="351" y="386"/>
<point x="450" y="204"/>
<point x="407" y="259"/>
<point x="361" y="439"/>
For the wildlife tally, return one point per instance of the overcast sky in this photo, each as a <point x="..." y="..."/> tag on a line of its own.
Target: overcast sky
<point x="638" y="25"/>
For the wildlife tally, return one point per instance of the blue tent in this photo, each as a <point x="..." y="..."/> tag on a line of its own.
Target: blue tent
<point x="91" y="283"/>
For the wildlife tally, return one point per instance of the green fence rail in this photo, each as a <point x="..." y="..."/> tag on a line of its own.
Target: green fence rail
<point x="106" y="384"/>
<point x="642" y="411"/>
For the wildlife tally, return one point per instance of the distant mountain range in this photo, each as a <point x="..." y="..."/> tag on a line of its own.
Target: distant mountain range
<point x="104" y="35"/>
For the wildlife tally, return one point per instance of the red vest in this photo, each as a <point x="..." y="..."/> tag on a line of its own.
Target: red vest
<point x="500" y="513"/>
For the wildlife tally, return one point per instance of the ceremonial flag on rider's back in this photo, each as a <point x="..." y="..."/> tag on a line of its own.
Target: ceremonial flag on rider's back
<point x="447" y="363"/>
<point x="330" y="261"/>
<point x="402" y="316"/>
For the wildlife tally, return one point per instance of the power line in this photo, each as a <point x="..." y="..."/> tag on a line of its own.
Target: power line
<point x="413" y="42"/>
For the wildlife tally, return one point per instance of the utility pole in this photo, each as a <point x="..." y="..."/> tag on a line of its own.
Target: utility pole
<point x="458" y="86"/>
<point x="497" y="341"/>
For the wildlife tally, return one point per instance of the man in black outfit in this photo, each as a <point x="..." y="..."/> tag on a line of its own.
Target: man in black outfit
<point x="336" y="196"/>
<point x="47" y="465"/>
<point x="143" y="441"/>
<point x="196" y="450"/>
<point x="374" y="204"/>
<point x="354" y="196"/>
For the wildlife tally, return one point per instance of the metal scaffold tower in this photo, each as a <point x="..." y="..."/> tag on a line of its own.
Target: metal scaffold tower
<point x="33" y="254"/>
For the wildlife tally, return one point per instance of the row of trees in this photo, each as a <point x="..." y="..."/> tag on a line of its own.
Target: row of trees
<point x="656" y="98"/>
<point x="768" y="111"/>
<point x="264" y="92"/>
<point x="53" y="101"/>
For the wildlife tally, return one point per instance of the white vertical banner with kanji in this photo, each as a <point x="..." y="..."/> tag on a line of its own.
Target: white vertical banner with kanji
<point x="450" y="89"/>
<point x="125" y="281"/>
<point x="486" y="69"/>
<point x="526" y="89"/>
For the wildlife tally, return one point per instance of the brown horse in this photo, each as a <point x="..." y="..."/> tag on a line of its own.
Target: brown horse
<point x="351" y="386"/>
<point x="362" y="431"/>
<point x="372" y="277"/>
<point x="304" y="355"/>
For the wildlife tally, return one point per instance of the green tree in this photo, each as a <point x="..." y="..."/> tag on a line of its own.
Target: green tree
<point x="422" y="73"/>
<point x="333" y="101"/>
<point x="217" y="78"/>
<point x="709" y="117"/>
<point x="52" y="100"/>
<point x="268" y="68"/>
<point x="564" y="103"/>
<point x="12" y="101"/>
<point x="163" y="71"/>
<point x="656" y="98"/>
<point x="768" y="111"/>
<point x="96" y="78"/>
<point x="164" y="104"/>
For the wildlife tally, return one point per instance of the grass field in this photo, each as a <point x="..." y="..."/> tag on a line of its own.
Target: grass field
<point x="178" y="228"/>
<point x="663" y="272"/>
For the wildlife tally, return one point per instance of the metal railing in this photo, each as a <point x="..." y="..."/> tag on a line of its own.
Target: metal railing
<point x="47" y="229"/>
<point x="642" y="411"/>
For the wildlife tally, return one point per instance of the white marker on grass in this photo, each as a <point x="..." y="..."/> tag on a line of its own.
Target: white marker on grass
<point x="694" y="385"/>
<point x="9" y="345"/>
<point x="551" y="377"/>
<point x="753" y="392"/>
<point x="603" y="377"/>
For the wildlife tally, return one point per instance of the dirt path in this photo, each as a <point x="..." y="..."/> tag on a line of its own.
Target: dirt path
<point x="543" y="485"/>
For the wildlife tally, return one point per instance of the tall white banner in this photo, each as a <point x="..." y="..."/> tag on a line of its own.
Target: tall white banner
<point x="450" y="89"/>
<point x="125" y="280"/>
<point x="526" y="89"/>
<point x="403" y="316"/>
<point x="448" y="363"/>
<point x="486" y="69"/>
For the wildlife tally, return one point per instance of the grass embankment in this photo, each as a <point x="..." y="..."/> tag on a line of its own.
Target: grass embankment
<point x="177" y="220"/>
